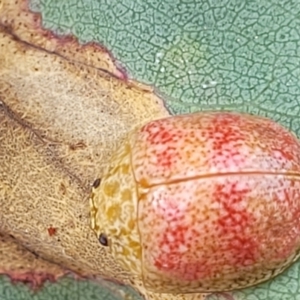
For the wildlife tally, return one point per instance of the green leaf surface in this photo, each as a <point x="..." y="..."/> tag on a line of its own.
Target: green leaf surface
<point x="66" y="289"/>
<point x="200" y="55"/>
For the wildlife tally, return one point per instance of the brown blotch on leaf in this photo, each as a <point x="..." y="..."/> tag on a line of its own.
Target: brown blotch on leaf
<point x="77" y="146"/>
<point x="51" y="231"/>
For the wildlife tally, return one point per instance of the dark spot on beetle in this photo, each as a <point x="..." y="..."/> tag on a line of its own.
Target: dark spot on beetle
<point x="96" y="183"/>
<point x="103" y="239"/>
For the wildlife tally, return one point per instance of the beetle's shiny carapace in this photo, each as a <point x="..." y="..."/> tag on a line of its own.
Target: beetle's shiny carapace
<point x="202" y="202"/>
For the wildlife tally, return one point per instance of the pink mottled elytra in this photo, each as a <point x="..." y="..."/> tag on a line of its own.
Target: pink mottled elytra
<point x="202" y="202"/>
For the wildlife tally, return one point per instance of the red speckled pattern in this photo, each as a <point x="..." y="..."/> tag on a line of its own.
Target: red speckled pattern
<point x="219" y="198"/>
<point x="211" y="143"/>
